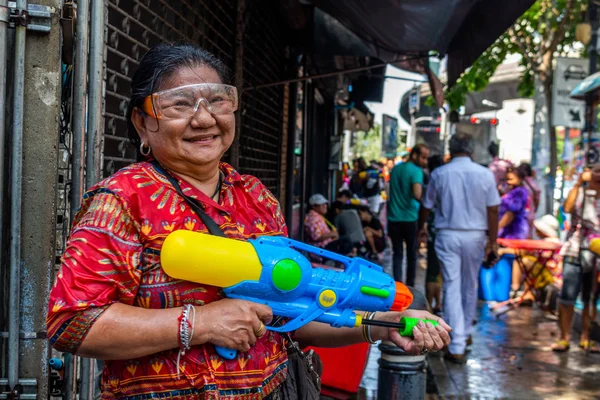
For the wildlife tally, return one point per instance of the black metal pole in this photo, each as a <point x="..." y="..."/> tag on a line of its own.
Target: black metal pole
<point x="341" y="72"/>
<point x="401" y="375"/>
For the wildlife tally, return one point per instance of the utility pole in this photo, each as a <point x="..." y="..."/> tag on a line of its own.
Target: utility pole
<point x="593" y="56"/>
<point x="42" y="93"/>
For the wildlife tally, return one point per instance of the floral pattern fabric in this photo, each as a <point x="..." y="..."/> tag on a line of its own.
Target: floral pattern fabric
<point x="315" y="226"/>
<point x="498" y="168"/>
<point x="113" y="256"/>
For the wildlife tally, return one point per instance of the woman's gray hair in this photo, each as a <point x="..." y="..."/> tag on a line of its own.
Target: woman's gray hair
<point x="461" y="143"/>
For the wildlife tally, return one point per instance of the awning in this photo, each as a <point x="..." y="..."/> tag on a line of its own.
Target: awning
<point x="462" y="29"/>
<point x="590" y="85"/>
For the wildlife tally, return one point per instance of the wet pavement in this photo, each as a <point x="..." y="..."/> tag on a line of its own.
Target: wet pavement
<point x="510" y="358"/>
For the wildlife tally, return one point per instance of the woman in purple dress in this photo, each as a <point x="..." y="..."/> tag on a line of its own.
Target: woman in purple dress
<point x="513" y="208"/>
<point x="513" y="221"/>
<point x="534" y="194"/>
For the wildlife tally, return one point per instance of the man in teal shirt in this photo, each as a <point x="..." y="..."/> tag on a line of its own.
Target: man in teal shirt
<point x="406" y="188"/>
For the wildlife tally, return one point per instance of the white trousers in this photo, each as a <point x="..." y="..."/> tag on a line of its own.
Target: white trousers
<point x="460" y="254"/>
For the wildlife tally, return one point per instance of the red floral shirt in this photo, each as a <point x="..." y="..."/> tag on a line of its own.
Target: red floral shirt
<point x="315" y="227"/>
<point x="113" y="256"/>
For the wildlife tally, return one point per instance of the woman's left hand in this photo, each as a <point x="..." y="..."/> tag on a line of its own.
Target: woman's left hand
<point x="426" y="337"/>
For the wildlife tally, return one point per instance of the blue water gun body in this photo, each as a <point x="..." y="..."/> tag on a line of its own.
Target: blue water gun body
<point x="273" y="271"/>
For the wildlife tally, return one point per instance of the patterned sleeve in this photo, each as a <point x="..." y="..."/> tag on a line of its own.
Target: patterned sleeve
<point x="313" y="227"/>
<point x="99" y="267"/>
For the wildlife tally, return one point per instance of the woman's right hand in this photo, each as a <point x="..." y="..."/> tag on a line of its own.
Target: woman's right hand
<point x="231" y="323"/>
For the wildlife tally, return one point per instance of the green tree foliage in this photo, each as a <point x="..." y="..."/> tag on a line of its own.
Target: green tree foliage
<point x="368" y="144"/>
<point x="544" y="31"/>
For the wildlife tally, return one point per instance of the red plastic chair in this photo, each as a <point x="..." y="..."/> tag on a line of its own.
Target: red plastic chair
<point x="343" y="368"/>
<point x="543" y="251"/>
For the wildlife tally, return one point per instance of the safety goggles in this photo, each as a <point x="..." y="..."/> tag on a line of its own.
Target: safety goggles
<point x="183" y="102"/>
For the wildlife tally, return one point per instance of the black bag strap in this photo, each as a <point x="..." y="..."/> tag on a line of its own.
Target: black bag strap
<point x="210" y="223"/>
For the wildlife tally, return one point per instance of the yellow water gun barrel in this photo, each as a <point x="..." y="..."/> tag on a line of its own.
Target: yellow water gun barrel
<point x="192" y="257"/>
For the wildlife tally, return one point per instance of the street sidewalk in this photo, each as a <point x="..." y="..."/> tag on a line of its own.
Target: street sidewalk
<point x="511" y="359"/>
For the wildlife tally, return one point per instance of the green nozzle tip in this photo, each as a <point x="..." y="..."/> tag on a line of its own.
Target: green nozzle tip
<point x="407" y="324"/>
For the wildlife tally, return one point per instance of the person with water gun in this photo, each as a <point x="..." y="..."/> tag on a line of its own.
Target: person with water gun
<point x="579" y="260"/>
<point x="373" y="185"/>
<point x="113" y="300"/>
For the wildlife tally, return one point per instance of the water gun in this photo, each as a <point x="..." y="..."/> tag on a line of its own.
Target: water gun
<point x="562" y="219"/>
<point x="274" y="272"/>
<point x="358" y="202"/>
<point x="56" y="363"/>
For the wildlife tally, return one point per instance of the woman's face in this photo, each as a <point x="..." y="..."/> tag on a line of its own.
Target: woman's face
<point x="321" y="208"/>
<point x="185" y="144"/>
<point x="512" y="179"/>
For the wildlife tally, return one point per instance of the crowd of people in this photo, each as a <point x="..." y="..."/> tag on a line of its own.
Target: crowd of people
<point x="455" y="210"/>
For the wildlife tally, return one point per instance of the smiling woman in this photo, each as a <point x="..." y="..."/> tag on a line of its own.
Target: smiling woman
<point x="113" y="301"/>
<point x="181" y="113"/>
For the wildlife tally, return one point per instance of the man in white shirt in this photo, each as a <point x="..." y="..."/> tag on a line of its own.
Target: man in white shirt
<point x="465" y="199"/>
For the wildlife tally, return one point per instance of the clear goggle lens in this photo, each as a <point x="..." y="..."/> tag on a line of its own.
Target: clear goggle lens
<point x="184" y="101"/>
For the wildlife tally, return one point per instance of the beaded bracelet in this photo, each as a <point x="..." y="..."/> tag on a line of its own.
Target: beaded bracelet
<point x="185" y="328"/>
<point x="186" y="331"/>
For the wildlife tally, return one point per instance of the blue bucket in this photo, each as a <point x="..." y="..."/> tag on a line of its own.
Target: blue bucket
<point x="494" y="283"/>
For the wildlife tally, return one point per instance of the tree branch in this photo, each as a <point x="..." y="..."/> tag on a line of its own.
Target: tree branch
<point x="558" y="34"/>
<point x="514" y="38"/>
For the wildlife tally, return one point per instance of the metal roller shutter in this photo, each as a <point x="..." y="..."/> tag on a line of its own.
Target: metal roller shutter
<point x="260" y="139"/>
<point x="134" y="27"/>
